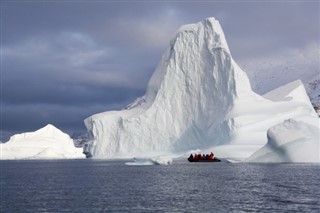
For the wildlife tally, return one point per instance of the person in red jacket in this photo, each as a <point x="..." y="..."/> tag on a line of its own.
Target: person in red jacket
<point x="211" y="156"/>
<point x="196" y="157"/>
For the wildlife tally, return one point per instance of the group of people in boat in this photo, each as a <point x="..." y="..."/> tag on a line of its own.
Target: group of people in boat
<point x="196" y="157"/>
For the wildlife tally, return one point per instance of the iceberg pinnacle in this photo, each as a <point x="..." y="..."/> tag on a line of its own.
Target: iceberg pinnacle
<point x="195" y="99"/>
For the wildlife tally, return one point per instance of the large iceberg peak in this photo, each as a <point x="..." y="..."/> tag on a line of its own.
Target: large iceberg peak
<point x="193" y="88"/>
<point x="199" y="56"/>
<point x="197" y="98"/>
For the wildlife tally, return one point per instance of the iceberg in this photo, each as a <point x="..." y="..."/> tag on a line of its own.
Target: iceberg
<point x="45" y="143"/>
<point x="290" y="141"/>
<point x="197" y="98"/>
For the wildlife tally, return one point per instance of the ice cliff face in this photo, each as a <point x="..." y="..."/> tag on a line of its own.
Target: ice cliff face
<point x="197" y="98"/>
<point x="45" y="143"/>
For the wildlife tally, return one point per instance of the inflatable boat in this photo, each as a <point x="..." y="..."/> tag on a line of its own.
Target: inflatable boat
<point x="213" y="160"/>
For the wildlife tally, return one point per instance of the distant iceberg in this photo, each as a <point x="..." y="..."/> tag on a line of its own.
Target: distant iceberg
<point x="197" y="98"/>
<point x="45" y="143"/>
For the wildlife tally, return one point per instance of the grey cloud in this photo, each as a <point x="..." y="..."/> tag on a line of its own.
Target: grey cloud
<point x="57" y="59"/>
<point x="51" y="93"/>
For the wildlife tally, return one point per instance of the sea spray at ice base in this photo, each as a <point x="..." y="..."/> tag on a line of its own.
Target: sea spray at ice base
<point x="198" y="98"/>
<point x="158" y="160"/>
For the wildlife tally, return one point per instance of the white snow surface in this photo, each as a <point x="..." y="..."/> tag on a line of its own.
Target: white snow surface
<point x="290" y="141"/>
<point x="197" y="98"/>
<point x="45" y="143"/>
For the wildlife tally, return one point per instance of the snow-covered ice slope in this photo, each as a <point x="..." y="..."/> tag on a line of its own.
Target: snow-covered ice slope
<point x="45" y="143"/>
<point x="197" y="98"/>
<point x="252" y="118"/>
<point x="290" y="141"/>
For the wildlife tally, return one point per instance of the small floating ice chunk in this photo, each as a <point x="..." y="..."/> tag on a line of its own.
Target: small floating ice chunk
<point x="159" y="160"/>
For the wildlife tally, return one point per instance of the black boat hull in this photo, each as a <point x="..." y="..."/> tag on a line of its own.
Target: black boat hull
<point x="208" y="161"/>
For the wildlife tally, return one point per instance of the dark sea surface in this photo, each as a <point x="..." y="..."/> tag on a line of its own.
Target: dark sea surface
<point x="112" y="186"/>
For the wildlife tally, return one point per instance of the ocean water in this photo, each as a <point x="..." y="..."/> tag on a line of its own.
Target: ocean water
<point x="111" y="186"/>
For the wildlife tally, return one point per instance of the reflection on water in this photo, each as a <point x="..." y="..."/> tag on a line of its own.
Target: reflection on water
<point x="111" y="186"/>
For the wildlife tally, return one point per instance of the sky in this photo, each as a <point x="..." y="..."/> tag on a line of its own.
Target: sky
<point x="64" y="60"/>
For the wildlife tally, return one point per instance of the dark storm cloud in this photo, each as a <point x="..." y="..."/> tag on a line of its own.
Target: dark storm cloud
<point x="80" y="74"/>
<point x="65" y="60"/>
<point x="67" y="95"/>
<point x="30" y="117"/>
